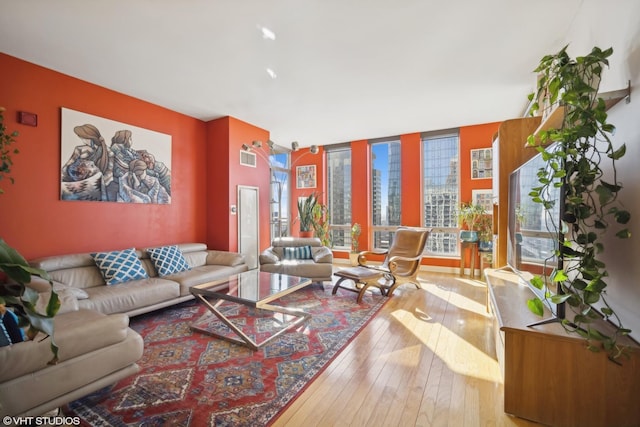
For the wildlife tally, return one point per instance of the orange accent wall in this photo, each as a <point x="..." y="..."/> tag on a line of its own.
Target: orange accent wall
<point x="411" y="158"/>
<point x="35" y="221"/>
<point x="304" y="158"/>
<point x="471" y="138"/>
<point x="206" y="172"/>
<point x="361" y="190"/>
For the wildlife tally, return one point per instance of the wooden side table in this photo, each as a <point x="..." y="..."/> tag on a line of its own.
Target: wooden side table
<point x="473" y="249"/>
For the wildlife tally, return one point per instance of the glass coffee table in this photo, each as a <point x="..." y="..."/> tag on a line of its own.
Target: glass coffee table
<point x="255" y="289"/>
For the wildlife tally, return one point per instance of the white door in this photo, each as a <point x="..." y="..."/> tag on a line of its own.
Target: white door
<point x="248" y="227"/>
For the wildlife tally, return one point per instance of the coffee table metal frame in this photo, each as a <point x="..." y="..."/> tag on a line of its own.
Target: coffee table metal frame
<point x="204" y="291"/>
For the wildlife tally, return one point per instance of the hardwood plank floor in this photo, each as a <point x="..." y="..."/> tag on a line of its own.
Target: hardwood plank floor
<point x="427" y="359"/>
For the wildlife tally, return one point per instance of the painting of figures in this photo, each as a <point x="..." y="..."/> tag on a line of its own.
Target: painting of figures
<point x="108" y="161"/>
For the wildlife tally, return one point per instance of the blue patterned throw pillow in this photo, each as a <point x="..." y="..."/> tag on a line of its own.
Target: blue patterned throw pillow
<point x="168" y="260"/>
<point x="300" y="252"/>
<point x="119" y="266"/>
<point x="10" y="332"/>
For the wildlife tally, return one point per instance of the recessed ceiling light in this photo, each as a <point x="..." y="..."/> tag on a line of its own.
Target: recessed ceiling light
<point x="271" y="73"/>
<point x="267" y="33"/>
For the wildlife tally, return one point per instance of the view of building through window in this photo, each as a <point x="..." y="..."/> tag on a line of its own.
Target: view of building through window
<point x="339" y="196"/>
<point x="440" y="192"/>
<point x="280" y="194"/>
<point x="386" y="191"/>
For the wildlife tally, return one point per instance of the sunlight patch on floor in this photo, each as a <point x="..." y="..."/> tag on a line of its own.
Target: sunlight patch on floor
<point x="458" y="300"/>
<point x="458" y="354"/>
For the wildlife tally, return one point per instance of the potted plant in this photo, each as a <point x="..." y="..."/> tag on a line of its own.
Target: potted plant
<point x="321" y="224"/>
<point x="589" y="192"/>
<point x="355" y="245"/>
<point x="485" y="233"/>
<point x="22" y="300"/>
<point x="469" y="215"/>
<point x="305" y="214"/>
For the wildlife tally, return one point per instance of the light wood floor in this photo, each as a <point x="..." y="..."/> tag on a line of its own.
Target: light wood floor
<point x="427" y="359"/>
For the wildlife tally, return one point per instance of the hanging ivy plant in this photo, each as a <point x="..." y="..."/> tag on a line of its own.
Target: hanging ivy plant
<point x="590" y="206"/>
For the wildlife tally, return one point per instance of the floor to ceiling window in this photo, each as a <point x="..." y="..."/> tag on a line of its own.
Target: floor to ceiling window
<point x="386" y="194"/>
<point x="440" y="186"/>
<point x="280" y="192"/>
<point x="339" y="195"/>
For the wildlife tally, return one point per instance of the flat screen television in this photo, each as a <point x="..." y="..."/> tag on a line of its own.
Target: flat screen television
<point x="534" y="233"/>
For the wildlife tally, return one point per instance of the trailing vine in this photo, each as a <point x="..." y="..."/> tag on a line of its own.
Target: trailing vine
<point x="589" y="204"/>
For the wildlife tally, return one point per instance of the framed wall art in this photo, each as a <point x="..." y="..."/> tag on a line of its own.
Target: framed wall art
<point x="482" y="163"/>
<point x="108" y="161"/>
<point x="483" y="198"/>
<point x="306" y="176"/>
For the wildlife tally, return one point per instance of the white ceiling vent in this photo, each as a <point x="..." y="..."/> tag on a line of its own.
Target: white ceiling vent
<point x="247" y="158"/>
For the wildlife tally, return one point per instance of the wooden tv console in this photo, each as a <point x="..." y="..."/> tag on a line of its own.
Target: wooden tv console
<point x="550" y="376"/>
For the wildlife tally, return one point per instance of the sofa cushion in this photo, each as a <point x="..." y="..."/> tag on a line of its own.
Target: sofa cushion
<point x="168" y="260"/>
<point x="231" y="259"/>
<point x="301" y="268"/>
<point x="130" y="295"/>
<point x="204" y="274"/>
<point x="322" y="255"/>
<point x="119" y="266"/>
<point x="298" y="252"/>
<point x="75" y="334"/>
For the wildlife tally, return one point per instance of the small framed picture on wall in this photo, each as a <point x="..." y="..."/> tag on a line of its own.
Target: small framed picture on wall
<point x="482" y="163"/>
<point x="483" y="198"/>
<point x="306" y="176"/>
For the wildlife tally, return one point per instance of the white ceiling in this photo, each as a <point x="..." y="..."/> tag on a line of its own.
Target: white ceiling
<point x="346" y="70"/>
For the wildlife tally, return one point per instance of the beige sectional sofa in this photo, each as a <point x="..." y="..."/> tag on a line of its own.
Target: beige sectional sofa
<point x="97" y="348"/>
<point x="79" y="273"/>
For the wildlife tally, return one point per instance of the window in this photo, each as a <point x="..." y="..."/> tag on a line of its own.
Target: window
<point x="280" y="193"/>
<point x="440" y="192"/>
<point x="339" y="197"/>
<point x="386" y="191"/>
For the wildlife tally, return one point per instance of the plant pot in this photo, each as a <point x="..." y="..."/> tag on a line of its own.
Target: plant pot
<point x="485" y="246"/>
<point x="468" y="235"/>
<point x="306" y="233"/>
<point x="353" y="257"/>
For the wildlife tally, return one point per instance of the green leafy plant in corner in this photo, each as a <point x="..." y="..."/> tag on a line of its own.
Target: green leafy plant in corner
<point x="7" y="139"/>
<point x="590" y="206"/>
<point x="470" y="215"/>
<point x="305" y="211"/>
<point x="321" y="221"/>
<point x="485" y="228"/>
<point x="16" y="295"/>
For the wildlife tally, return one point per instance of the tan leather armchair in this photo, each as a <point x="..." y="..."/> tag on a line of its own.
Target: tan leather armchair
<point x="315" y="264"/>
<point x="401" y="264"/>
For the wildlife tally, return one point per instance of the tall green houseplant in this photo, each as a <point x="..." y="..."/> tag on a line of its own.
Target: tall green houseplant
<point x="589" y="206"/>
<point x="305" y="212"/>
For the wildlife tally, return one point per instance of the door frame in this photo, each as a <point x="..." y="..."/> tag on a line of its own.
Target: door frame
<point x="252" y="263"/>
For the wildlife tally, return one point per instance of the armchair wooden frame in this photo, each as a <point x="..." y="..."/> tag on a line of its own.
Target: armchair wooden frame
<point x="401" y="265"/>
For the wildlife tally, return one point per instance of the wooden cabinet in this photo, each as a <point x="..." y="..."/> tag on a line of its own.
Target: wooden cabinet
<point x="509" y="152"/>
<point x="550" y="376"/>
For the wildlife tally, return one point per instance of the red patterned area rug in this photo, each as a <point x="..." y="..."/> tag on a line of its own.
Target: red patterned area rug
<point x="191" y="379"/>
